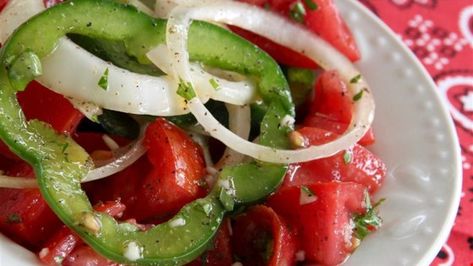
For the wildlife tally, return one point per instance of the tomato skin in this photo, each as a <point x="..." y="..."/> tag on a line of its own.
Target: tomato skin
<point x="331" y="99"/>
<point x="251" y="232"/>
<point x="364" y="167"/>
<point x="24" y="215"/>
<point x="38" y="102"/>
<point x="177" y="168"/>
<point x="160" y="183"/>
<point x="3" y="3"/>
<point x="331" y="108"/>
<point x="328" y="24"/>
<point x="325" y="242"/>
<point x="324" y="224"/>
<point x="59" y="246"/>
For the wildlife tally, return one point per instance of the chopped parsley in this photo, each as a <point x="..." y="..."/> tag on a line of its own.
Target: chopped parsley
<point x="358" y="96"/>
<point x="307" y="191"/>
<point x="59" y="260"/>
<point x="298" y="12"/>
<point x="64" y="147"/>
<point x="185" y="90"/>
<point x="103" y="82"/>
<point x="311" y="4"/>
<point x="14" y="218"/>
<point x="214" y="84"/>
<point x="355" y="79"/>
<point x="368" y="222"/>
<point x="347" y="157"/>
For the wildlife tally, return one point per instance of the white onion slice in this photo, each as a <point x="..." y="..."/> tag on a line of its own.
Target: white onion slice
<point x="128" y="92"/>
<point x="233" y="92"/>
<point x="283" y="32"/>
<point x="16" y="13"/>
<point x="88" y="109"/>
<point x="164" y="7"/>
<point x="124" y="157"/>
<point x="239" y="123"/>
<point x="133" y="152"/>
<point x="140" y="6"/>
<point x="17" y="182"/>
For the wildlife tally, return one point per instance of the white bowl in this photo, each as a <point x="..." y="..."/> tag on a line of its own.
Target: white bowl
<point x="415" y="138"/>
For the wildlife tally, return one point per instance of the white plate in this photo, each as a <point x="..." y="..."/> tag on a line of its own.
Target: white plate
<point x="416" y="139"/>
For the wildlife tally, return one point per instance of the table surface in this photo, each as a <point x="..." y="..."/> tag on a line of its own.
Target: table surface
<point x="440" y="33"/>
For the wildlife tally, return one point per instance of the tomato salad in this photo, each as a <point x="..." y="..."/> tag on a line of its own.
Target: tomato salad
<point x="184" y="133"/>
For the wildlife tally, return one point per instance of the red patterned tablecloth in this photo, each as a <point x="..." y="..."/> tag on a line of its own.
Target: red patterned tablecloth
<point x="440" y="33"/>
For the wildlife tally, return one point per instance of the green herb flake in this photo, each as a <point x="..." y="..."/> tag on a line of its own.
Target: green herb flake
<point x="95" y="119"/>
<point x="358" y="96"/>
<point x="14" y="218"/>
<point x="355" y="79"/>
<point x="185" y="90"/>
<point x="103" y="82"/>
<point x="347" y="157"/>
<point x="214" y="84"/>
<point x="369" y="221"/>
<point x="298" y="12"/>
<point x="311" y="4"/>
<point x="64" y="147"/>
<point x="307" y="191"/>
<point x="58" y="260"/>
<point x="267" y="6"/>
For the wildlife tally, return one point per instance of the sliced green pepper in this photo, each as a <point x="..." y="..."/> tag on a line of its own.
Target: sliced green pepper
<point x="60" y="164"/>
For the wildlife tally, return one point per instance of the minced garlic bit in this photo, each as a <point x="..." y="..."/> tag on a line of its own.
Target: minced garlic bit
<point x="133" y="251"/>
<point x="237" y="264"/>
<point x="177" y="222"/>
<point x="287" y="121"/>
<point x="300" y="255"/>
<point x="43" y="253"/>
<point x="306" y="196"/>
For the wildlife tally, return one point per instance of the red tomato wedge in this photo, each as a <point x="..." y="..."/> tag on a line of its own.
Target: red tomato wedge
<point x="327" y="22"/>
<point x="323" y="20"/>
<point x="24" y="215"/>
<point x="176" y="174"/>
<point x="3" y="3"/>
<point x="38" y="102"/>
<point x="159" y="184"/>
<point x="324" y="224"/>
<point x="357" y="164"/>
<point x="65" y="245"/>
<point x="261" y="237"/>
<point x="332" y="108"/>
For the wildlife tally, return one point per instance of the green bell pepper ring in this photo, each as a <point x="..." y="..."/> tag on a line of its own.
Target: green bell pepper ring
<point x="60" y="164"/>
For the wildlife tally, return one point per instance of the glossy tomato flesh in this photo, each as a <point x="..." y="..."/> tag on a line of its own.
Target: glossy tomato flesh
<point x="324" y="225"/>
<point x="356" y="164"/>
<point x="331" y="108"/>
